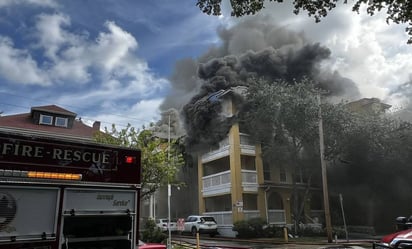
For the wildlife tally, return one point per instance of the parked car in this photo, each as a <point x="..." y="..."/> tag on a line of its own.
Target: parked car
<point x="400" y="239"/>
<point x="143" y="245"/>
<point x="200" y="224"/>
<point x="162" y="224"/>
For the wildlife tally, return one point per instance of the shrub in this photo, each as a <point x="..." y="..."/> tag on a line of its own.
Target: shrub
<point x="151" y="233"/>
<point x="253" y="228"/>
<point x="272" y="231"/>
<point x="243" y="229"/>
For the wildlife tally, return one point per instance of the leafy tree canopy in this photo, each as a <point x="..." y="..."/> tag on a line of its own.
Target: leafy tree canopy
<point x="160" y="163"/>
<point x="398" y="11"/>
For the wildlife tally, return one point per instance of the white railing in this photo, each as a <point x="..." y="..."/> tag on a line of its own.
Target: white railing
<point x="247" y="146"/>
<point x="245" y="140"/>
<point x="222" y="218"/>
<point x="276" y="216"/>
<point x="249" y="176"/>
<point x="216" y="184"/>
<point x="216" y="154"/>
<point x="249" y="214"/>
<point x="249" y="180"/>
<point x="220" y="183"/>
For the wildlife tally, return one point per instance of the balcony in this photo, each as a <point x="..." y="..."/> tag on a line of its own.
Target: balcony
<point x="218" y="184"/>
<point x="216" y="154"/>
<point x="276" y="216"/>
<point x="247" y="147"/>
<point x="249" y="181"/>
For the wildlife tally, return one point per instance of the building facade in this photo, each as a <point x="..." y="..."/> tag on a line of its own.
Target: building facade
<point x="234" y="184"/>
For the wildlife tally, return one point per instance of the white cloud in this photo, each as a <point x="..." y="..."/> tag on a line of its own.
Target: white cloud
<point x="364" y="48"/>
<point x="17" y="65"/>
<point x="112" y="76"/>
<point x="112" y="54"/>
<point x="113" y="47"/>
<point x="51" y="35"/>
<point x="141" y="113"/>
<point x="45" y="3"/>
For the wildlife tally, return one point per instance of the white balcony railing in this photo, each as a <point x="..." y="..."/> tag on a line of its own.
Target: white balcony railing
<point x="220" y="183"/>
<point x="276" y="216"/>
<point x="216" y="154"/>
<point x="216" y="184"/>
<point x="249" y="180"/>
<point x="222" y="218"/>
<point x="249" y="214"/>
<point x="247" y="147"/>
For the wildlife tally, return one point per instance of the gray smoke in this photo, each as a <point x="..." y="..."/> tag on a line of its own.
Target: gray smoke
<point x="253" y="48"/>
<point x="404" y="91"/>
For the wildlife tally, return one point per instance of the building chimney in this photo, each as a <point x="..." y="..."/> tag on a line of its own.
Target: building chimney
<point x="96" y="125"/>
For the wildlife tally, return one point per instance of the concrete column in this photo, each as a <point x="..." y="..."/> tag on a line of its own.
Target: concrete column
<point x="236" y="173"/>
<point x="200" y="185"/>
<point x="260" y="178"/>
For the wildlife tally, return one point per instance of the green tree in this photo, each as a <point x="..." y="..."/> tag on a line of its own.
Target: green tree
<point x="398" y="11"/>
<point x="368" y="153"/>
<point x="290" y="113"/>
<point x="160" y="163"/>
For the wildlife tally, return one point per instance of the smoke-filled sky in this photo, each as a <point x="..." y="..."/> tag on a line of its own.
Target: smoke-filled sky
<point x="123" y="61"/>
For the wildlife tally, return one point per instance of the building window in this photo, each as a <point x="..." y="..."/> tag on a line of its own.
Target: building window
<point x="282" y="174"/>
<point x="266" y="173"/>
<point x="299" y="176"/>
<point x="62" y="122"/>
<point x="46" y="119"/>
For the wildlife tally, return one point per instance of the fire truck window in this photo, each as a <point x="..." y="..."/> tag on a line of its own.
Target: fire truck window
<point x="117" y="244"/>
<point x="97" y="226"/>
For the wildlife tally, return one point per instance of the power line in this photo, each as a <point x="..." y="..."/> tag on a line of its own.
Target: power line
<point x="91" y="120"/>
<point x="69" y="106"/>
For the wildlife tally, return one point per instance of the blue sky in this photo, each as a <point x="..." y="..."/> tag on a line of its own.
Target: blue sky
<point x="111" y="60"/>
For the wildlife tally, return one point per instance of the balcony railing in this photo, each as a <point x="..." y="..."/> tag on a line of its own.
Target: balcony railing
<point x="216" y="154"/>
<point x="249" y="214"/>
<point x="222" y="218"/>
<point x="276" y="216"/>
<point x="216" y="184"/>
<point x="247" y="147"/>
<point x="220" y="183"/>
<point x="249" y="180"/>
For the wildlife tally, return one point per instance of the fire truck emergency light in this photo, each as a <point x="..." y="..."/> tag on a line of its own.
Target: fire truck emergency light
<point x="129" y="159"/>
<point x="54" y="175"/>
<point x="40" y="175"/>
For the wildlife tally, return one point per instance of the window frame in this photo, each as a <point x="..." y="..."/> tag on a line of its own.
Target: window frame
<point x="66" y="121"/>
<point x="43" y="116"/>
<point x="283" y="178"/>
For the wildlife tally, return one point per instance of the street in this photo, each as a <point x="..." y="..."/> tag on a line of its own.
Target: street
<point x="205" y="242"/>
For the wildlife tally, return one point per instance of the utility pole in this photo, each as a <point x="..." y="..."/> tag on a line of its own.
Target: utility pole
<point x="343" y="216"/>
<point x="169" y="192"/>
<point x="324" y="174"/>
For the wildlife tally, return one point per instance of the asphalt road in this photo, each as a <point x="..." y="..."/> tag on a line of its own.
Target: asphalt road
<point x="219" y="244"/>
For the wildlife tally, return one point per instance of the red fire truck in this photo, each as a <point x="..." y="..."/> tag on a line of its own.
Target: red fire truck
<point x="67" y="193"/>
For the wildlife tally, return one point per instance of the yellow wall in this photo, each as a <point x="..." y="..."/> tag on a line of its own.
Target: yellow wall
<point x="235" y="172"/>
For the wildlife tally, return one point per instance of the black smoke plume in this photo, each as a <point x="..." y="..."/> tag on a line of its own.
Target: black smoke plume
<point x="253" y="48"/>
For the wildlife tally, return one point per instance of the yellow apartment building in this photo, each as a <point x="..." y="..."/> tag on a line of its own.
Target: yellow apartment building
<point x="234" y="184"/>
